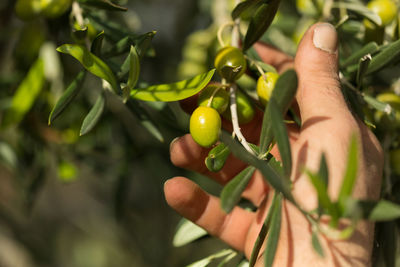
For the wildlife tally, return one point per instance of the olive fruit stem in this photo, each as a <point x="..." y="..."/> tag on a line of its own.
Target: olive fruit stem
<point x="259" y="69"/>
<point x="235" y="121"/>
<point x="213" y="95"/>
<point x="221" y="29"/>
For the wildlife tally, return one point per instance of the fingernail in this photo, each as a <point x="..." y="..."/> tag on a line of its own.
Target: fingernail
<point x="325" y="38"/>
<point x="172" y="142"/>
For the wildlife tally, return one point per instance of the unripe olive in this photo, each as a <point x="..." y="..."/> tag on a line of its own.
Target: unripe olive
<point x="205" y="126"/>
<point x="54" y="8"/>
<point x="384" y="120"/>
<point x="27" y="9"/>
<point x="385" y="9"/>
<point x="219" y="101"/>
<point x="307" y="7"/>
<point x="230" y="63"/>
<point x="265" y="86"/>
<point x="245" y="109"/>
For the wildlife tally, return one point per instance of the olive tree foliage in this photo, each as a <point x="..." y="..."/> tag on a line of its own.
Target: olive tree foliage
<point x="77" y="102"/>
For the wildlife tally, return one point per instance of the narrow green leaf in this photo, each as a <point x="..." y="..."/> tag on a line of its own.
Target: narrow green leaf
<point x="273" y="234"/>
<point x="362" y="69"/>
<point x="270" y="174"/>
<point x="209" y="259"/>
<point x="263" y="232"/>
<point x="93" y="116"/>
<point x="316" y="244"/>
<point x="242" y="7"/>
<point x="68" y="96"/>
<point x="283" y="93"/>
<point x="227" y="259"/>
<point x="360" y="9"/>
<point x="103" y="4"/>
<point x="187" y="232"/>
<point x="233" y="190"/>
<point x="281" y="136"/>
<point x="260" y="22"/>
<point x="112" y="29"/>
<point x="216" y="158"/>
<point x="26" y="94"/>
<point x="134" y="70"/>
<point x="321" y="188"/>
<point x="382" y="210"/>
<point x="141" y="42"/>
<point x="350" y="174"/>
<point x="388" y="55"/>
<point x="369" y="48"/>
<point x="379" y="105"/>
<point x="97" y="43"/>
<point x="91" y="62"/>
<point x="174" y="91"/>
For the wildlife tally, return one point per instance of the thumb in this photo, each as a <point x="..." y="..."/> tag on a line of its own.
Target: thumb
<point x="316" y="63"/>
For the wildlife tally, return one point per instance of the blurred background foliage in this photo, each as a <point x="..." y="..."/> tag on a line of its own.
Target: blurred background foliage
<point x="96" y="200"/>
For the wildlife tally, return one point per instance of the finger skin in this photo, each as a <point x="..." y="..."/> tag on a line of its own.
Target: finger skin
<point x="189" y="200"/>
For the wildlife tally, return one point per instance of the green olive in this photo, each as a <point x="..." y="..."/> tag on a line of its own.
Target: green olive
<point x="265" y="86"/>
<point x="205" y="126"/>
<point x="245" y="109"/>
<point x="385" y="9"/>
<point x="27" y="9"/>
<point x="220" y="98"/>
<point x="54" y="8"/>
<point x="307" y="7"/>
<point x="230" y="63"/>
<point x="384" y="120"/>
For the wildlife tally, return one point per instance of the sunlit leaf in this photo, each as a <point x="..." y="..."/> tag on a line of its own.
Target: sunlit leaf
<point x="260" y="22"/>
<point x="387" y="56"/>
<point x="174" y="91"/>
<point x="273" y="234"/>
<point x="209" y="259"/>
<point x="233" y="190"/>
<point x="283" y="93"/>
<point x="187" y="232"/>
<point x="26" y="94"/>
<point x="216" y="158"/>
<point x="350" y="174"/>
<point x="68" y="96"/>
<point x="91" y="62"/>
<point x="134" y="71"/>
<point x="103" y="4"/>
<point x="93" y="116"/>
<point x="281" y="136"/>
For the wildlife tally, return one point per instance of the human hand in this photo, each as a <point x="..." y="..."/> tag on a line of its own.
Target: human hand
<point x="327" y="127"/>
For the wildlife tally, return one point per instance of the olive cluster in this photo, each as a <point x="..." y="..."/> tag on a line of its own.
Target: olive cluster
<point x="214" y="99"/>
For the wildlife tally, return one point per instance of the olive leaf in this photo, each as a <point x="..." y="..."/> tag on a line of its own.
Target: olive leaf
<point x="26" y="94"/>
<point x="388" y="55"/>
<point x="103" y="4"/>
<point x="233" y="190"/>
<point x="93" y="116"/>
<point x="187" y="232"/>
<point x="134" y="71"/>
<point x="361" y="10"/>
<point x="216" y="158"/>
<point x="91" y="62"/>
<point x="174" y="91"/>
<point x="273" y="233"/>
<point x="369" y="48"/>
<point x="141" y="42"/>
<point x="69" y="95"/>
<point x="260" y="22"/>
<point x="242" y="7"/>
<point x="283" y="93"/>
<point x="382" y="210"/>
<point x="97" y="43"/>
<point x="204" y="262"/>
<point x="350" y="174"/>
<point x="316" y="244"/>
